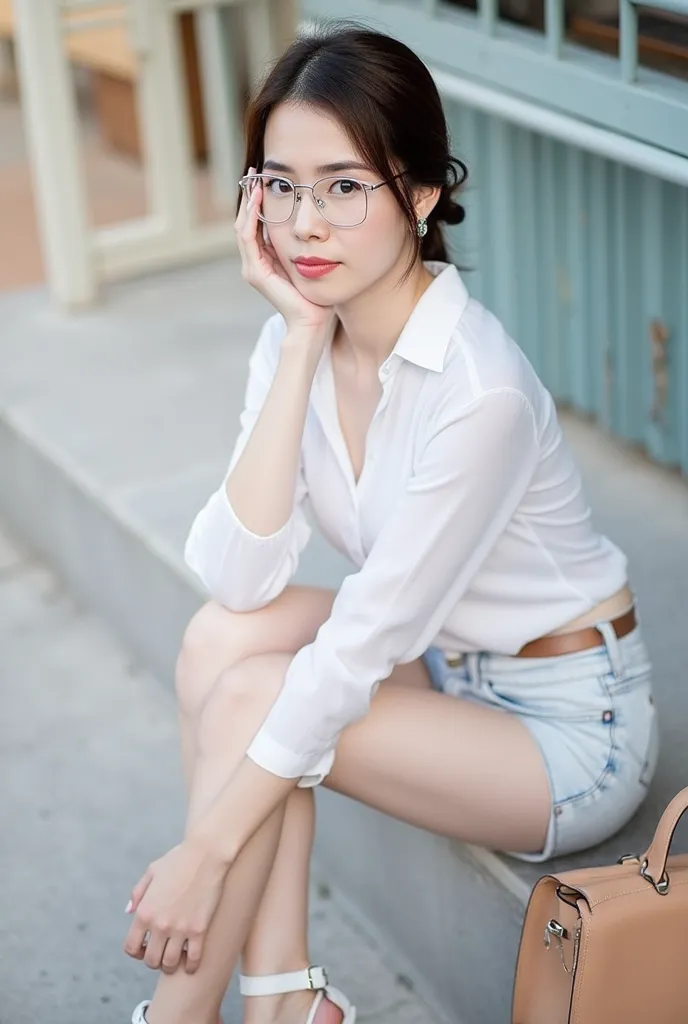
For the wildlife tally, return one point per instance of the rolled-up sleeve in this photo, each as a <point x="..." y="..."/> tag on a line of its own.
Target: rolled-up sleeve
<point x="470" y="478"/>
<point x="241" y="570"/>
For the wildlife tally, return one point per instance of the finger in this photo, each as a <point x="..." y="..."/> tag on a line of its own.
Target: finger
<point x="248" y="243"/>
<point x="134" y="943"/>
<point x="139" y="890"/>
<point x="240" y="223"/>
<point x="241" y="214"/>
<point x="250" y="233"/>
<point x="155" y="949"/>
<point x="247" y="227"/>
<point x="173" y="954"/>
<point x="194" y="952"/>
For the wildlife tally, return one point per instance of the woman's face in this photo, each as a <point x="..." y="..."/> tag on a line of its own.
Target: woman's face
<point x="299" y="142"/>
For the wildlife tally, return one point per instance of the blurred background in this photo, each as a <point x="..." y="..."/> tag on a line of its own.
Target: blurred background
<point x="125" y="331"/>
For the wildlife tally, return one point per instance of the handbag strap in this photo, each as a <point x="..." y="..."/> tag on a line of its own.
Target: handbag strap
<point x="653" y="864"/>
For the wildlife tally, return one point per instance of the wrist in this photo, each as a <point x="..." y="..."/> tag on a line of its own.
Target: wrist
<point x="216" y="844"/>
<point x="303" y="346"/>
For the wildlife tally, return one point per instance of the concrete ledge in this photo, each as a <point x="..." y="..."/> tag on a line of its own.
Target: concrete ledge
<point x="108" y="561"/>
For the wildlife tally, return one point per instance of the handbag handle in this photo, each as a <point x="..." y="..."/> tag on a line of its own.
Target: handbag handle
<point x="653" y="865"/>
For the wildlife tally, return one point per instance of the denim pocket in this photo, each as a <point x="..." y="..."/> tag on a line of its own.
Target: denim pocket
<point x="559" y="700"/>
<point x="637" y="726"/>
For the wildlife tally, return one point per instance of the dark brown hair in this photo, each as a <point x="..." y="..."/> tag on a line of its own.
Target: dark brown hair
<point x="386" y="101"/>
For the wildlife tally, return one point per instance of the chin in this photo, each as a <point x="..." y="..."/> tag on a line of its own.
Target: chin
<point x="318" y="299"/>
<point x="313" y="290"/>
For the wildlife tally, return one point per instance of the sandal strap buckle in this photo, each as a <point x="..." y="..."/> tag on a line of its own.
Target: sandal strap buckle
<point x="312" y="978"/>
<point x="317" y="978"/>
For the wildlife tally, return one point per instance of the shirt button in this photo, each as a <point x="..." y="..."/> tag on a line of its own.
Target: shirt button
<point x="384" y="370"/>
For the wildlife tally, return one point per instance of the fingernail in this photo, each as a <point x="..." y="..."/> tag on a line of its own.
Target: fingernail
<point x="129" y="906"/>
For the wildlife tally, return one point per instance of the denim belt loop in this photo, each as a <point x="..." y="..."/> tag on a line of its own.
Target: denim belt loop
<point x="611" y="641"/>
<point x="473" y="669"/>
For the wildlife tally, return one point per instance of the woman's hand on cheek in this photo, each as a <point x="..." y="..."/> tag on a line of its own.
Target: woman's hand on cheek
<point x="262" y="269"/>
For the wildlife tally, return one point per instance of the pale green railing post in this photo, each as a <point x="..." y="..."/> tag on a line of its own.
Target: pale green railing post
<point x="488" y="16"/>
<point x="554" y="25"/>
<point x="628" y="40"/>
<point x="628" y="31"/>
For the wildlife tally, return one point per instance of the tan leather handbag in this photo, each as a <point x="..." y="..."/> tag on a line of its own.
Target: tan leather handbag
<point x="609" y="945"/>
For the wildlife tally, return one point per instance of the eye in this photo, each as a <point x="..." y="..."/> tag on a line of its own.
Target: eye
<point x="345" y="187"/>
<point x="278" y="186"/>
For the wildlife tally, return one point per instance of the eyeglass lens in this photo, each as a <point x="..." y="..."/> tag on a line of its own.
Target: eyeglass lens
<point x="341" y="201"/>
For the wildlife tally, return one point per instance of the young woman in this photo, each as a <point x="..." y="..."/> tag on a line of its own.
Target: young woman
<point x="482" y="674"/>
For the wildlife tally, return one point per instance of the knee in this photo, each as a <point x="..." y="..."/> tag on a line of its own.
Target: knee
<point x="239" y="702"/>
<point x="198" y="656"/>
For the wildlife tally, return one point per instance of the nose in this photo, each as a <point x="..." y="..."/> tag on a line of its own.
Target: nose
<point x="308" y="221"/>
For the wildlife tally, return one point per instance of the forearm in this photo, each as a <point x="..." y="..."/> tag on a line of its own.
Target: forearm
<point x="261" y="486"/>
<point x="243" y="804"/>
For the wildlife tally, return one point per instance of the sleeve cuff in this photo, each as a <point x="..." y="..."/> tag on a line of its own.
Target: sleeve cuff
<point x="227" y="506"/>
<point x="310" y="769"/>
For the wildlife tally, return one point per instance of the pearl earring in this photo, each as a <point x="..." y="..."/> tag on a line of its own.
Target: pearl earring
<point x="422" y="227"/>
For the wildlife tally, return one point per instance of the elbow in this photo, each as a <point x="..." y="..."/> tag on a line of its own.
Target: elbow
<point x="231" y="587"/>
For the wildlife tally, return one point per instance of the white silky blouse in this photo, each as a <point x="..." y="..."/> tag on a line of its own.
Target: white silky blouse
<point x="468" y="524"/>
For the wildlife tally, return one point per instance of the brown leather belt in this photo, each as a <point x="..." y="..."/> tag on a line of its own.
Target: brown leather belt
<point x="579" y="640"/>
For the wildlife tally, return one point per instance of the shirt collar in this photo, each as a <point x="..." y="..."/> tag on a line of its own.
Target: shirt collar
<point x="425" y="337"/>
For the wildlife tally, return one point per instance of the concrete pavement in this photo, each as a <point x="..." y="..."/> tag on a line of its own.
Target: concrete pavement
<point x="90" y="792"/>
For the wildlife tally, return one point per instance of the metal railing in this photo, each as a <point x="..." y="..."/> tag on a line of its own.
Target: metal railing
<point x="543" y="69"/>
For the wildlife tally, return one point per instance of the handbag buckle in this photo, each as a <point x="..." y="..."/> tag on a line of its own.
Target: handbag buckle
<point x="662" y="886"/>
<point x="556" y="931"/>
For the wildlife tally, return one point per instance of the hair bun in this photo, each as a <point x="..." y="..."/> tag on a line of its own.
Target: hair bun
<point x="455" y="213"/>
<point x="448" y="210"/>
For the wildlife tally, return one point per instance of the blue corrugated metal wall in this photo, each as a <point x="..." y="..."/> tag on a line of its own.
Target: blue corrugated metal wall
<point x="586" y="262"/>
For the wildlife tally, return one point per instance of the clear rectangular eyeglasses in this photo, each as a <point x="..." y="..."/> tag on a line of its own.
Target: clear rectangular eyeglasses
<point x="343" y="202"/>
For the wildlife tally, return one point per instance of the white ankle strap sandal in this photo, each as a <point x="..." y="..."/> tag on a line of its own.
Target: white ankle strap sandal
<point x="138" y="1016"/>
<point x="313" y="978"/>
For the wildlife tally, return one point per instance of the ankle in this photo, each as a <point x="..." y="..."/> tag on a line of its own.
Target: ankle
<point x="183" y="1015"/>
<point x="287" y="1008"/>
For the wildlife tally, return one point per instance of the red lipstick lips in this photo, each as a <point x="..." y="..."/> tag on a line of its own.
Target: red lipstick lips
<point x="312" y="267"/>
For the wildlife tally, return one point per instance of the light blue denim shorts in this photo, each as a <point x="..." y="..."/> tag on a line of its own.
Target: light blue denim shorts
<point x="593" y="717"/>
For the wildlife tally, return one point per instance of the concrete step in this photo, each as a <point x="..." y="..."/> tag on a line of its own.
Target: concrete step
<point x="114" y="427"/>
<point x="92" y="791"/>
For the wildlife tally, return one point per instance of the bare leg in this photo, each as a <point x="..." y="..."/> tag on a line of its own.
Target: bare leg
<point x="440" y="784"/>
<point x="278" y="937"/>
<point x="215" y="640"/>
<point x="181" y="998"/>
<point x="440" y="763"/>
<point x="233" y="712"/>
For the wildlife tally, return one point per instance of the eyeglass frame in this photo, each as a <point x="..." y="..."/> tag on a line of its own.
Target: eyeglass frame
<point x="367" y="187"/>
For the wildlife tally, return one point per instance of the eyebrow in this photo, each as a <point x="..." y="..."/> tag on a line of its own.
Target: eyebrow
<point x="342" y="165"/>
